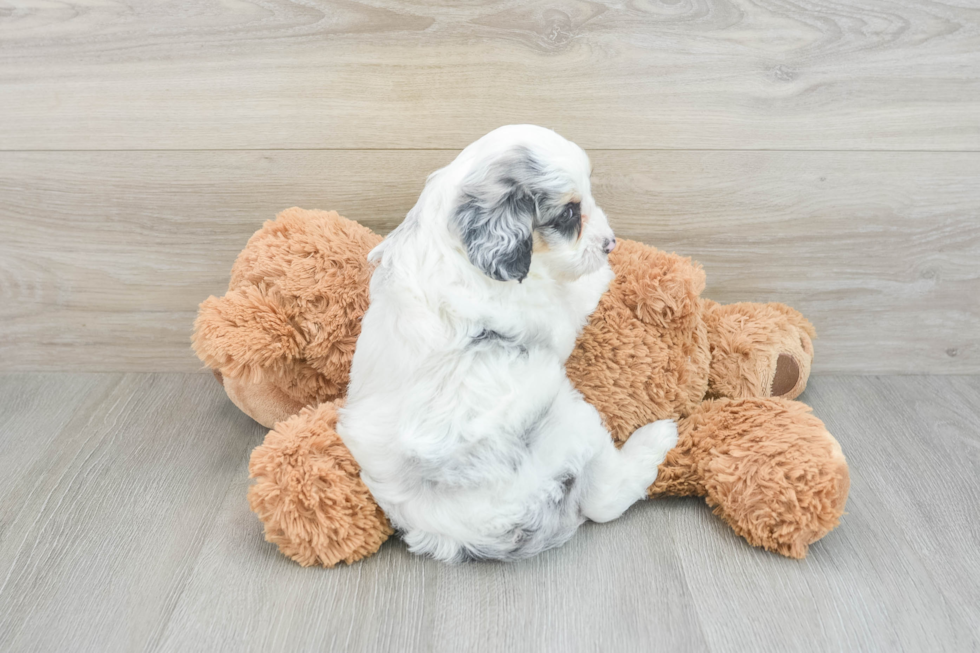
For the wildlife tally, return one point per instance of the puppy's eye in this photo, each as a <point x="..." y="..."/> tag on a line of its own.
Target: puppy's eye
<point x="569" y="220"/>
<point x="571" y="213"/>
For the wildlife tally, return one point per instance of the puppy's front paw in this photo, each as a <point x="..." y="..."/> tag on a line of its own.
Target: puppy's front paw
<point x="648" y="446"/>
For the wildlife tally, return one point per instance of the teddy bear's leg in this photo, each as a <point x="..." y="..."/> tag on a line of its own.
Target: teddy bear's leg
<point x="309" y="495"/>
<point x="767" y="466"/>
<point x="757" y="350"/>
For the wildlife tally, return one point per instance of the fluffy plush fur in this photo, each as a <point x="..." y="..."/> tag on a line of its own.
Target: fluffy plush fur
<point x="310" y="494"/>
<point x="283" y="335"/>
<point x="653" y="349"/>
<point x="468" y="432"/>
<point x="768" y="467"/>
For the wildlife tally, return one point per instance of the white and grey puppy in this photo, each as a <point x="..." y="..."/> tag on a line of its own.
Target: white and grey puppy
<point x="468" y="433"/>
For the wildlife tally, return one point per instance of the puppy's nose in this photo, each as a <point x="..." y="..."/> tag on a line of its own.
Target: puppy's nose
<point x="609" y="245"/>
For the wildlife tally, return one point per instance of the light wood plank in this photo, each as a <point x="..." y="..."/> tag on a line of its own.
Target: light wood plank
<point x="34" y="409"/>
<point x="136" y="535"/>
<point x="871" y="584"/>
<point x="613" y="587"/>
<point x="916" y="442"/>
<point x="104" y="256"/>
<point x="815" y="74"/>
<point x="880" y="250"/>
<point x="115" y="510"/>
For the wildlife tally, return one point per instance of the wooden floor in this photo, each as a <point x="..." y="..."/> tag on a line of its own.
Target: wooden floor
<point x="124" y="527"/>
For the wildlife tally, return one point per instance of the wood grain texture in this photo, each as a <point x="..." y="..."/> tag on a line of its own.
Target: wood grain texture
<point x="131" y="532"/>
<point x="34" y="409"/>
<point x="112" y="505"/>
<point x="922" y="468"/>
<point x="902" y="568"/>
<point x="104" y="256"/>
<point x="766" y="74"/>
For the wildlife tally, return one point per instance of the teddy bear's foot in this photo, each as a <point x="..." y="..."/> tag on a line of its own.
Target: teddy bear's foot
<point x="787" y="377"/>
<point x="758" y="350"/>
<point x="265" y="402"/>
<point x="309" y="494"/>
<point x="767" y="466"/>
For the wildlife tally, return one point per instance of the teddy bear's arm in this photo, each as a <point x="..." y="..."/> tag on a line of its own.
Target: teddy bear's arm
<point x="757" y="350"/>
<point x="248" y="333"/>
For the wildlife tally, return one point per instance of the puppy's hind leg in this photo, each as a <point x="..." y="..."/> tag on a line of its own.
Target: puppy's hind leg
<point x="620" y="478"/>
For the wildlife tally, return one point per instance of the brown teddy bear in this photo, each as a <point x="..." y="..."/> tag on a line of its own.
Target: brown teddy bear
<point x="281" y="341"/>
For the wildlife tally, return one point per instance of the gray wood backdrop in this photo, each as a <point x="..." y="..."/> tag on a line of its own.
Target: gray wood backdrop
<point x="823" y="154"/>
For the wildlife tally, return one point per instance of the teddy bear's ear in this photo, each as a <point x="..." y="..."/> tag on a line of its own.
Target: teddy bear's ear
<point x="247" y="333"/>
<point x="659" y="288"/>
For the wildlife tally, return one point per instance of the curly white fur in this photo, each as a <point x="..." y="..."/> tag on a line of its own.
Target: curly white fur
<point x="468" y="432"/>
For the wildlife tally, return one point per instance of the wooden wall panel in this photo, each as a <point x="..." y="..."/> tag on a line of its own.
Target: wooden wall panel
<point x="104" y="256"/>
<point x="724" y="74"/>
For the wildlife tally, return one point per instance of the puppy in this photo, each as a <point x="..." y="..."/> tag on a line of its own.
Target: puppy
<point x="468" y="433"/>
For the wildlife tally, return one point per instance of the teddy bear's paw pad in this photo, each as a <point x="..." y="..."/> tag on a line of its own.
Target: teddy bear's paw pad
<point x="787" y="376"/>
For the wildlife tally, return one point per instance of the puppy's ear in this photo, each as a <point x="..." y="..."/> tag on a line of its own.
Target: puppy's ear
<point x="496" y="212"/>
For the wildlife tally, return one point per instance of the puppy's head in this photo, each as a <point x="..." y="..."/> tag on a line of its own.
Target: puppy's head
<point x="524" y="195"/>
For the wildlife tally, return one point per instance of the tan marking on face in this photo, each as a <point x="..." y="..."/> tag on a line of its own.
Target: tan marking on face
<point x="539" y="246"/>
